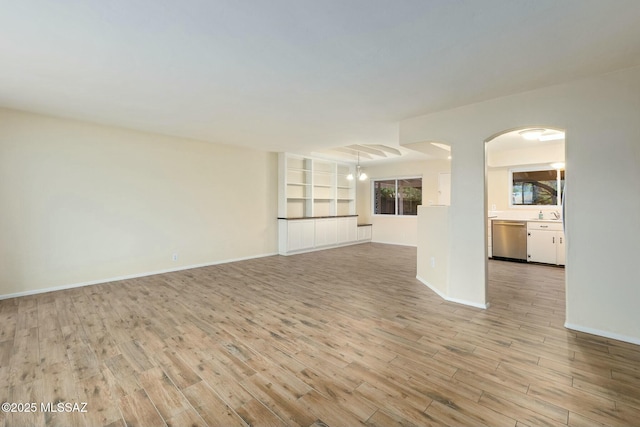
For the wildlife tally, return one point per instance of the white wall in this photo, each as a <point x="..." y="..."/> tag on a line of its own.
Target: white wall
<point x="498" y="183"/>
<point x="399" y="230"/>
<point x="433" y="259"/>
<point x="531" y="155"/>
<point x="600" y="116"/>
<point x="85" y="203"/>
<point x="498" y="189"/>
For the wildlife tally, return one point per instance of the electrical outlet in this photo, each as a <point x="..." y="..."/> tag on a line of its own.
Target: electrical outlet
<point x="493" y="207"/>
<point x="433" y="262"/>
<point x="174" y="257"/>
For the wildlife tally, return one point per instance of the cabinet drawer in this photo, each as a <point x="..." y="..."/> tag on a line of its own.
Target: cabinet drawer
<point x="542" y="225"/>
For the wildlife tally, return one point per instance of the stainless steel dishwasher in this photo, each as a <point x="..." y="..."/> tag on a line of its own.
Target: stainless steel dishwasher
<point x="509" y="239"/>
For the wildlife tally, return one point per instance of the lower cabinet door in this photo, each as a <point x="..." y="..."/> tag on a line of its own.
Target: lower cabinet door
<point x="326" y="232"/>
<point x="305" y="234"/>
<point x="352" y="229"/>
<point x="347" y="229"/>
<point x="560" y="248"/>
<point x="301" y="235"/>
<point x="541" y="246"/>
<point x="364" y="232"/>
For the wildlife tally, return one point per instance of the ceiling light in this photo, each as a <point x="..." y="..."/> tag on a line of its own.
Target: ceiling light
<point x="558" y="165"/>
<point x="551" y="136"/>
<point x="443" y="146"/>
<point x="448" y="157"/>
<point x="359" y="172"/>
<point x="531" y="134"/>
<point x="361" y="175"/>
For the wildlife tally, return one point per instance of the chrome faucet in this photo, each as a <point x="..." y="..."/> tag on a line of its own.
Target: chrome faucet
<point x="556" y="214"/>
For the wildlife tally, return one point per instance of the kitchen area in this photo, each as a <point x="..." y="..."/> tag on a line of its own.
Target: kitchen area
<point x="536" y="240"/>
<point x="525" y="189"/>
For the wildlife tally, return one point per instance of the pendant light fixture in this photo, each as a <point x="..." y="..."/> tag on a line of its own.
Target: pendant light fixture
<point x="359" y="172"/>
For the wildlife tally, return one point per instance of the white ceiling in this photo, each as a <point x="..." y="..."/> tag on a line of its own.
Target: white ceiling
<point x="369" y="153"/>
<point x="510" y="141"/>
<point x="297" y="74"/>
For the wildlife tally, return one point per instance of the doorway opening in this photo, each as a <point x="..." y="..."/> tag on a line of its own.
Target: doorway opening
<point x="524" y="194"/>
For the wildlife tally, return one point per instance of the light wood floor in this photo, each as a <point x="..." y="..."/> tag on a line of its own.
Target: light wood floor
<point x="340" y="337"/>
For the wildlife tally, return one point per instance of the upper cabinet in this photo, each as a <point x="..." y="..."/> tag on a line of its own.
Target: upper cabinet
<point x="310" y="187"/>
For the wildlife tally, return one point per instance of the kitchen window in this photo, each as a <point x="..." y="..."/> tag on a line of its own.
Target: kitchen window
<point x="397" y="196"/>
<point x="536" y="187"/>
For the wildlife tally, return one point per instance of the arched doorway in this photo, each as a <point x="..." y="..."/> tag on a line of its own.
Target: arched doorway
<point x="524" y="183"/>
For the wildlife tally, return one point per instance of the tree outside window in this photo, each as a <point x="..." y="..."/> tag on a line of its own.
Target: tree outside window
<point x="537" y="187"/>
<point x="400" y="196"/>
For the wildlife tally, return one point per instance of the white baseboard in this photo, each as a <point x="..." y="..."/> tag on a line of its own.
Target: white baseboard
<point x="428" y="285"/>
<point x="394" y="243"/>
<point x="469" y="303"/>
<point x="606" y="334"/>
<point x="456" y="300"/>
<point x="323" y="248"/>
<point x="129" y="276"/>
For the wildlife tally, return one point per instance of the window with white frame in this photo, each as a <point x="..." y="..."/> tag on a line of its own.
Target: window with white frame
<point x="396" y="196"/>
<point x="536" y="187"/>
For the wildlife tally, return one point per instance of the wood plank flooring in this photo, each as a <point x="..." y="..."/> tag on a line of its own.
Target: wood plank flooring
<point x="342" y="337"/>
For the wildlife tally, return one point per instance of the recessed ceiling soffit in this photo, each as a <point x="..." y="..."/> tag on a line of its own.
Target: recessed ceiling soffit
<point x="369" y="152"/>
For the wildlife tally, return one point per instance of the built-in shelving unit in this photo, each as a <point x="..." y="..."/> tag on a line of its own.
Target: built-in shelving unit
<point x="297" y="186"/>
<point x="316" y="205"/>
<point x="345" y="197"/>
<point x="312" y="187"/>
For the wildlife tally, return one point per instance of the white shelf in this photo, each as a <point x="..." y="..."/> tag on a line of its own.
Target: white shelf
<point x="311" y="187"/>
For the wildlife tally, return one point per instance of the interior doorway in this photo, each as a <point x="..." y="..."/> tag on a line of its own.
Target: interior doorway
<point x="524" y="182"/>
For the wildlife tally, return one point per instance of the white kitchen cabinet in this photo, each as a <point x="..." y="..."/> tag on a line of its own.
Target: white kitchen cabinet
<point x="545" y="242"/>
<point x="560" y="246"/>
<point x="489" y="239"/>
<point x="541" y="246"/>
